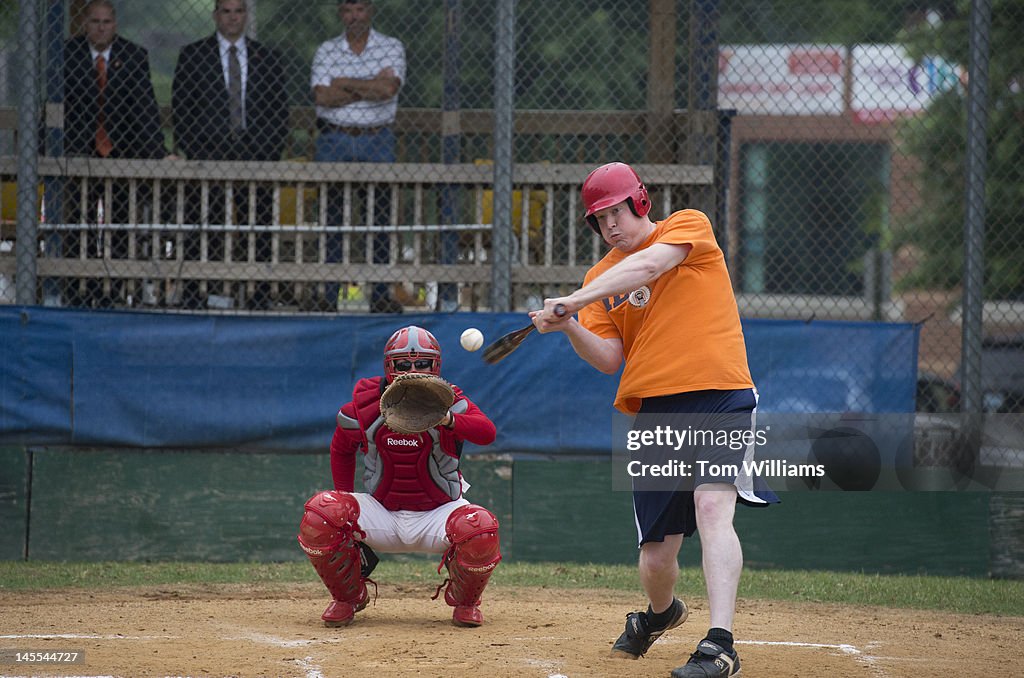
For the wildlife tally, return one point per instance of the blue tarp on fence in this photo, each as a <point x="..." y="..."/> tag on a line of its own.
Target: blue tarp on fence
<point x="112" y="378"/>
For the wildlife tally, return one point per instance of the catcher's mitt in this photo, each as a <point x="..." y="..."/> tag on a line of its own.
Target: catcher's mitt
<point x="416" y="402"/>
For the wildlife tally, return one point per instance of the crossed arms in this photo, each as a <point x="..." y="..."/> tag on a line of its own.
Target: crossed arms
<point x="344" y="91"/>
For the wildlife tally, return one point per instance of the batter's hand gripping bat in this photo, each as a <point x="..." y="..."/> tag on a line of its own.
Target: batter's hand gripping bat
<point x="509" y="342"/>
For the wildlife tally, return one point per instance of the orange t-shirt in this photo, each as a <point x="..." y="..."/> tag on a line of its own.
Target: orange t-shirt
<point x="681" y="333"/>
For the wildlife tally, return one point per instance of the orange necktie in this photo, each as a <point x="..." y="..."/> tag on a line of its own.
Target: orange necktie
<point x="103" y="143"/>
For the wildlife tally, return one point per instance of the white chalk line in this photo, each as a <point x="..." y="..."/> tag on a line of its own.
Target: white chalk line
<point x="543" y="664"/>
<point x="862" y="656"/>
<point x="309" y="665"/>
<point x="267" y="639"/>
<point x="312" y="670"/>
<point x="842" y="647"/>
<point x="83" y="636"/>
<point x="858" y="655"/>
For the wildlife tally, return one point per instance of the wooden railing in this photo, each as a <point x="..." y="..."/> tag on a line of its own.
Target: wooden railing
<point x="552" y="246"/>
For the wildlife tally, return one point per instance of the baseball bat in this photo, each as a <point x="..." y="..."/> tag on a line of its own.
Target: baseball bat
<point x="507" y="343"/>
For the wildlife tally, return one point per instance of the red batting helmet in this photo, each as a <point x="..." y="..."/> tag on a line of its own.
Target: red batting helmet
<point x="413" y="344"/>
<point x="611" y="184"/>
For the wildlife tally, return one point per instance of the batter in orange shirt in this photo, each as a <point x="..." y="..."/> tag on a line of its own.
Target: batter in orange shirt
<point x="684" y="323"/>
<point x="661" y="300"/>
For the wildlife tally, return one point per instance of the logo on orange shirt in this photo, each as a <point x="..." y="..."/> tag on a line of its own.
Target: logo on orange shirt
<point x="640" y="297"/>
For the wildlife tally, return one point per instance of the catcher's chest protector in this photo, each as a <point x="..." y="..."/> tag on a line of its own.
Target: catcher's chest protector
<point x="404" y="472"/>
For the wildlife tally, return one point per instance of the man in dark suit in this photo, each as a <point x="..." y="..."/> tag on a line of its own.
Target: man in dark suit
<point x="126" y="107"/>
<point x="230" y="102"/>
<point x="110" y="111"/>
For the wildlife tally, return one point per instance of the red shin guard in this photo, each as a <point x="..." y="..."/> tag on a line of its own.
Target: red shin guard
<point x="328" y="534"/>
<point x="474" y="553"/>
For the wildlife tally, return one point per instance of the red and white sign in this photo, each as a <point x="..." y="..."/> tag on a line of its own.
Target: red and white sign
<point x="888" y="84"/>
<point x="809" y="80"/>
<point x="782" y="79"/>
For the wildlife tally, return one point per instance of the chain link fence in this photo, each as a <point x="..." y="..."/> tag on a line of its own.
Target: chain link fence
<point x="377" y="201"/>
<point x="827" y="141"/>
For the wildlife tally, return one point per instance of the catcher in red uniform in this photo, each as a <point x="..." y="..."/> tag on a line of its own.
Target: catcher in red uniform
<point x="413" y="493"/>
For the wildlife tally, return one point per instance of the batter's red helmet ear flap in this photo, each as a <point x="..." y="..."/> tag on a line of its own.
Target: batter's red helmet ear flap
<point x="611" y="184"/>
<point x="637" y="210"/>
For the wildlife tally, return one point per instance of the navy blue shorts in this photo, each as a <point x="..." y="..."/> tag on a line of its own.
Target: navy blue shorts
<point x="659" y="512"/>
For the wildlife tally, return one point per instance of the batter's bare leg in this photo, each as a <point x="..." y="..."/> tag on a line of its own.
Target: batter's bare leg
<point x="722" y="555"/>
<point x="722" y="558"/>
<point x="659" y="569"/>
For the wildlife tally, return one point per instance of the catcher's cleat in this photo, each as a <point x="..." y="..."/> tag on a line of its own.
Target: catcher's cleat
<point x="341" y="613"/>
<point x="467" y="615"/>
<point x="710" y="660"/>
<point x="638" y="636"/>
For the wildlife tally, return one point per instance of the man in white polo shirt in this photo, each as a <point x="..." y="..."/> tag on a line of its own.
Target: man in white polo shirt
<point x="355" y="82"/>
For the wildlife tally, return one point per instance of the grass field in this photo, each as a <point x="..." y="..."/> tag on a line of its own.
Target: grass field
<point x="960" y="595"/>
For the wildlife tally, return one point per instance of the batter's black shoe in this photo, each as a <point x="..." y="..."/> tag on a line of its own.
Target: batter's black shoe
<point x="710" y="660"/>
<point x="639" y="636"/>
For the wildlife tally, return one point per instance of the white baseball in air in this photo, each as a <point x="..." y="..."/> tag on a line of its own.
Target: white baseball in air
<point x="472" y="339"/>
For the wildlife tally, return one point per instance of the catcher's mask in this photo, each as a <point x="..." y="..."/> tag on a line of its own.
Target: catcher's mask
<point x="411" y="349"/>
<point x="611" y="184"/>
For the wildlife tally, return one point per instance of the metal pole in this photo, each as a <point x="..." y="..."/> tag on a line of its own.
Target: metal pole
<point x="661" y="82"/>
<point x="27" y="228"/>
<point x="974" y="219"/>
<point x="54" y="78"/>
<point x="448" y="293"/>
<point x="501" y="233"/>
<point x="702" y="96"/>
<point x="251" y="28"/>
<point x="53" y="192"/>
<point x="722" y="174"/>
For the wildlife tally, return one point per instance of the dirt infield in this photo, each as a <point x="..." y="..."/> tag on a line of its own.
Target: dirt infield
<point x="231" y="630"/>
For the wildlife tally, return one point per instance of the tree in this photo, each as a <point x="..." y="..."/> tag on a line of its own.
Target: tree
<point x="937" y="139"/>
<point x="840" y="22"/>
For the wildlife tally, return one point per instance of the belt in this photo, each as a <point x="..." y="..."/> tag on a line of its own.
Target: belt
<point x="351" y="131"/>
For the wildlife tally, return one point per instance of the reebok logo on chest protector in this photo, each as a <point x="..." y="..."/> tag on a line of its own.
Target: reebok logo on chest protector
<point x="402" y="442"/>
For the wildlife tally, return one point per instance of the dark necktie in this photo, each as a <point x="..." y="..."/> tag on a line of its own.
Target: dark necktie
<point x="235" y="90"/>
<point x="103" y="143"/>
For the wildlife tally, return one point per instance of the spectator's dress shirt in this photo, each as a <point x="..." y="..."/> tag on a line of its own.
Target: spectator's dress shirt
<point x="335" y="59"/>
